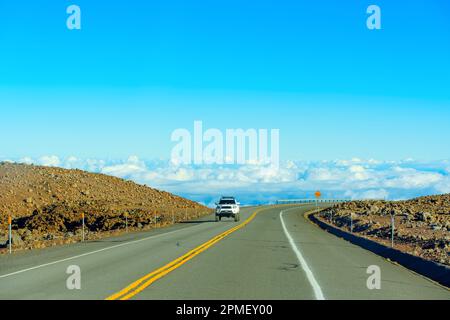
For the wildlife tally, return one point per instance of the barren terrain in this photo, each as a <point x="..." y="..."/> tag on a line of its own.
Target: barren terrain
<point x="422" y="225"/>
<point x="46" y="205"/>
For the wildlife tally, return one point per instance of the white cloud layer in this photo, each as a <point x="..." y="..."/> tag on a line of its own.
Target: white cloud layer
<point x="355" y="178"/>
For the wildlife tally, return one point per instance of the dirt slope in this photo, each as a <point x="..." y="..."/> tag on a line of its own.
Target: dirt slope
<point x="422" y="225"/>
<point x="47" y="203"/>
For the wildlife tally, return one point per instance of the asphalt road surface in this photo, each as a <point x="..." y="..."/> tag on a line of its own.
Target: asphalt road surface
<point x="272" y="253"/>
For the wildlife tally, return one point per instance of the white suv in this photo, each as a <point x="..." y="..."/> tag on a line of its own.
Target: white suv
<point x="227" y="207"/>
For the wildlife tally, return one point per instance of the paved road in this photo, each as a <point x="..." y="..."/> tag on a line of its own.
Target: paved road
<point x="274" y="256"/>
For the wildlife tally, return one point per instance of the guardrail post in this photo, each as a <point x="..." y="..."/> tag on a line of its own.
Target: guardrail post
<point x="157" y="219"/>
<point x="82" y="228"/>
<point x="351" y="223"/>
<point x="10" y="233"/>
<point x="392" y="229"/>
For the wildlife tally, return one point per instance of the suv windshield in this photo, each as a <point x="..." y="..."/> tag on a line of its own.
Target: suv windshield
<point x="227" y="202"/>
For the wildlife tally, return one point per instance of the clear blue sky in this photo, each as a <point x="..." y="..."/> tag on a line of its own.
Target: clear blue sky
<point x="138" y="70"/>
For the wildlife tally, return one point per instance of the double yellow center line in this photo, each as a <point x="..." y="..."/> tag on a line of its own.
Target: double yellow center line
<point x="142" y="283"/>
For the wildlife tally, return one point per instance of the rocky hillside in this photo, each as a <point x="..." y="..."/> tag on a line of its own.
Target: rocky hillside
<point x="422" y="225"/>
<point x="46" y="205"/>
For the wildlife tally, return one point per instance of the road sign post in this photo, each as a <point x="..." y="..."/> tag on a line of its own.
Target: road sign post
<point x="126" y="222"/>
<point x="10" y="233"/>
<point x="317" y="195"/>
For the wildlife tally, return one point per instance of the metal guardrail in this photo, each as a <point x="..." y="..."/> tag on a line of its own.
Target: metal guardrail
<point x="295" y="201"/>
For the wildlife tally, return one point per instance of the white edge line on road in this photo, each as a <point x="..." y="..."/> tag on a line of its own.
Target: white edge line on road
<point x="93" y="252"/>
<point x="315" y="285"/>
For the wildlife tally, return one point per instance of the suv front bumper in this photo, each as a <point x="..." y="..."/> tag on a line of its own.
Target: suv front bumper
<point x="227" y="213"/>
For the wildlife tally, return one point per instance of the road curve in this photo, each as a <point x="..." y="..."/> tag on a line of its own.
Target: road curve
<point x="277" y="255"/>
